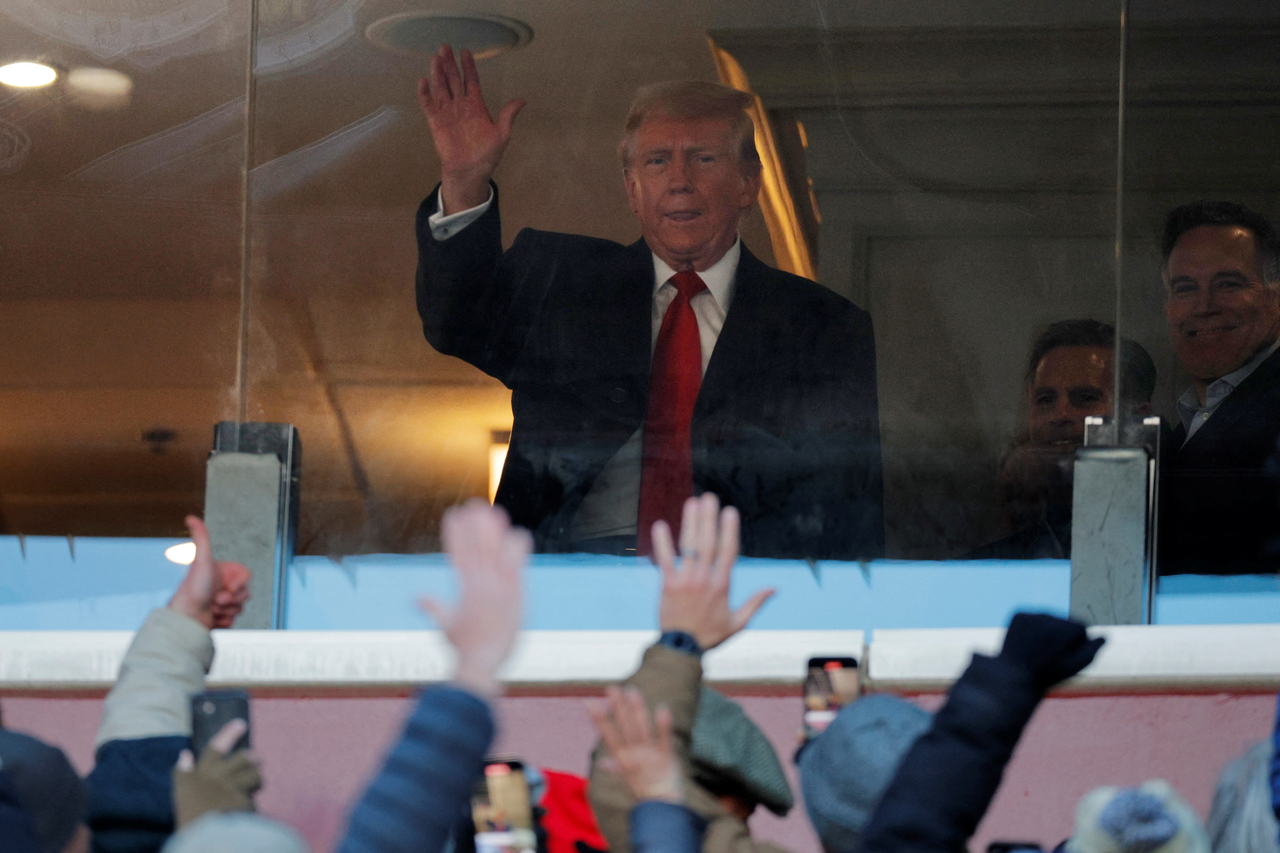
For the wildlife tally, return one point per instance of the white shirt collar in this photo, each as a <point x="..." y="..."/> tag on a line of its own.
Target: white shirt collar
<point x="1219" y="389"/>
<point x="718" y="277"/>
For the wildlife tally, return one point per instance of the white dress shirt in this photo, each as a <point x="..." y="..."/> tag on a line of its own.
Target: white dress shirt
<point x="612" y="504"/>
<point x="1194" y="415"/>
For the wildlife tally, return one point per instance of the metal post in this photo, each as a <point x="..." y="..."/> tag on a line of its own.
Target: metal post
<point x="1113" y="523"/>
<point x="251" y="509"/>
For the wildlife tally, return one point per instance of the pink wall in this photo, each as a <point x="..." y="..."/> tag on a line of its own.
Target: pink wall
<point x="317" y="752"/>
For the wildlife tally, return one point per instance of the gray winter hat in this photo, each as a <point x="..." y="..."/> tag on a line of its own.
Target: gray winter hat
<point x="47" y="787"/>
<point x="728" y="748"/>
<point x="236" y="832"/>
<point x="845" y="770"/>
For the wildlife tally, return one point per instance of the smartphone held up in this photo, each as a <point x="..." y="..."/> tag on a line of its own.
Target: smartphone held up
<point x="501" y="809"/>
<point x="830" y="683"/>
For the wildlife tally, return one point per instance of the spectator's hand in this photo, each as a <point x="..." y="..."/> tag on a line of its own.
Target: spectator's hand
<point x="695" y="597"/>
<point x="469" y="142"/>
<point x="221" y="781"/>
<point x="639" y="751"/>
<point x="214" y="591"/>
<point x="489" y="556"/>
<point x="1048" y="648"/>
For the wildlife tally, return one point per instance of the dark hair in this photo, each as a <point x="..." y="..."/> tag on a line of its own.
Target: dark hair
<point x="687" y="99"/>
<point x="1224" y="213"/>
<point x="1136" y="365"/>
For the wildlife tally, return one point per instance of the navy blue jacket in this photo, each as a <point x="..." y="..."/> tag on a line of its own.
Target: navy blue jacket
<point x="665" y="828"/>
<point x="17" y="831"/>
<point x="413" y="804"/>
<point x="1218" y="481"/>
<point x="1275" y="766"/>
<point x="947" y="779"/>
<point x="131" y="794"/>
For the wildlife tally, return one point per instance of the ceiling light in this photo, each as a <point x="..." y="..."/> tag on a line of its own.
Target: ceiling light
<point x="27" y="75"/>
<point x="183" y="554"/>
<point x="422" y="33"/>
<point x="103" y="89"/>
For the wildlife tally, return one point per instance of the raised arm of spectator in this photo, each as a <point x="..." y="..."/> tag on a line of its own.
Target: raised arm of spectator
<point x="641" y="753"/>
<point x="426" y="781"/>
<point x="167" y="661"/>
<point x="1275" y="767"/>
<point x="468" y="140"/>
<point x="947" y="780"/>
<point x="146" y="719"/>
<point x="694" y="616"/>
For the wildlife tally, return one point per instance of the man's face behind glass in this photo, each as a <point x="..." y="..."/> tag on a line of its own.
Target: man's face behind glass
<point x="1070" y="384"/>
<point x="688" y="189"/>
<point x="1219" y="310"/>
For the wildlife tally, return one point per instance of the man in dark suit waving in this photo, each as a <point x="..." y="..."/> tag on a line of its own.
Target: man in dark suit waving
<point x="1222" y="275"/>
<point x="677" y="365"/>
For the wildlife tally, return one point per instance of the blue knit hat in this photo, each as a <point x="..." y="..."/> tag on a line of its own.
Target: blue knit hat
<point x="1149" y="819"/>
<point x="845" y="770"/>
<point x="46" y="786"/>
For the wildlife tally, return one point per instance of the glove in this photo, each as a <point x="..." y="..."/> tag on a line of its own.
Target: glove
<point x="1049" y="649"/>
<point x="219" y="782"/>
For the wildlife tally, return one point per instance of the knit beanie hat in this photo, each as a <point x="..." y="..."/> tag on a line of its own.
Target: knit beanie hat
<point x="1151" y="818"/>
<point x="730" y="751"/>
<point x="845" y="770"/>
<point x="236" y="832"/>
<point x="46" y="786"/>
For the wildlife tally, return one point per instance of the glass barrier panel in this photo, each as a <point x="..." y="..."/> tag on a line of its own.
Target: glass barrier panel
<point x="948" y="176"/>
<point x="119" y="259"/>
<point x="1200" y="280"/>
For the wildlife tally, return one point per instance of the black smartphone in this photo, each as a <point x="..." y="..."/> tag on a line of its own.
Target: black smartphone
<point x="212" y="710"/>
<point x="501" y="810"/>
<point x="1013" y="847"/>
<point x="829" y="684"/>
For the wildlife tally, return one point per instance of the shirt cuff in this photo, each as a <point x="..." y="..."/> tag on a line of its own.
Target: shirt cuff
<point x="443" y="227"/>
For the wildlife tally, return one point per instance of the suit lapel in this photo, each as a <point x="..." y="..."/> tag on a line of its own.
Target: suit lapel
<point x="738" y="347"/>
<point x="636" y="311"/>
<point x="1225" y="420"/>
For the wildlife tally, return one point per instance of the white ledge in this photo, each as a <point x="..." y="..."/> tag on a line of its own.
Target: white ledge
<point x="89" y="660"/>
<point x="1140" y="657"/>
<point x="1134" y="658"/>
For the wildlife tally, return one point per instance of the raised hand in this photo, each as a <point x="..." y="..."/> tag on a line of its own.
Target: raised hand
<point x="214" y="591"/>
<point x="1050" y="649"/>
<point x="640" y="751"/>
<point x="468" y="140"/>
<point x="695" y="597"/>
<point x="489" y="556"/>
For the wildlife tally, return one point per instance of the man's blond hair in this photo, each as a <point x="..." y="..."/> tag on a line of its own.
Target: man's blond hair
<point x="693" y="99"/>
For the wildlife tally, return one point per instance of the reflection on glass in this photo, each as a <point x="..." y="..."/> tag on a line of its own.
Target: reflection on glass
<point x="1069" y="377"/>
<point x="1203" y="107"/>
<point x="643" y="373"/>
<point x="1222" y="274"/>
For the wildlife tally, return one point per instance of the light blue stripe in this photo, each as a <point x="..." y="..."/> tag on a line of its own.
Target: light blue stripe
<point x="113" y="583"/>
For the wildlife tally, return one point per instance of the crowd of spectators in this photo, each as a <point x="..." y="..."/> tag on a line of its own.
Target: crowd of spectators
<point x="679" y="767"/>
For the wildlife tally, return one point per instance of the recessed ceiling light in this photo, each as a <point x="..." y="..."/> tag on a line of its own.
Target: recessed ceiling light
<point x="27" y="75"/>
<point x="422" y="33"/>
<point x="183" y="554"/>
<point x="102" y="89"/>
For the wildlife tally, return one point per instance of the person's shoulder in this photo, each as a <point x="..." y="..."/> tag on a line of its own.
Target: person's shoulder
<point x="796" y="290"/>
<point x="579" y="245"/>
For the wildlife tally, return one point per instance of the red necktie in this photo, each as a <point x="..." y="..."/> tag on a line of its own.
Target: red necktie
<point x="666" y="468"/>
